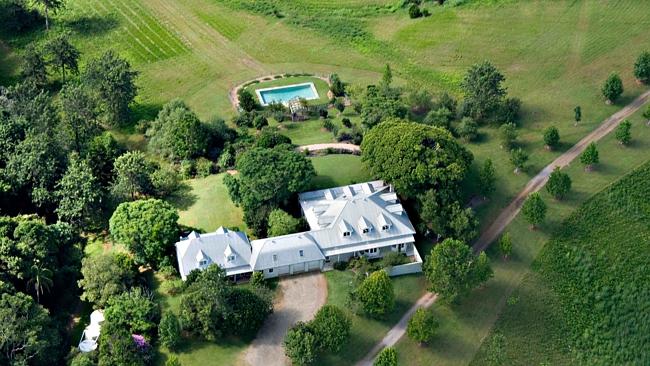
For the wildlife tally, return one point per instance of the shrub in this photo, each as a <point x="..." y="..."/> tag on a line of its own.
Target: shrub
<point x="329" y="125"/>
<point x="559" y="184"/>
<point x="346" y="122"/>
<point x="279" y="116"/>
<point x="642" y="67"/>
<point x="300" y="344"/>
<point x="165" y="181"/>
<point x="508" y="111"/>
<point x="322" y="112"/>
<point x="336" y="85"/>
<point x="393" y="259"/>
<point x="589" y="157"/>
<point x="247" y="101"/>
<point x="281" y="223"/>
<point x="186" y="169"/>
<point x="508" y="133"/>
<point x="204" y="167"/>
<point x="376" y="294"/>
<point x="623" y="134"/>
<point x="467" y="129"/>
<point x="518" y="158"/>
<point x="551" y="137"/>
<point x="340" y="266"/>
<point x="260" y="122"/>
<point x="422" y="326"/>
<point x="172" y="360"/>
<point x="414" y="11"/>
<point x="257" y="279"/>
<point x="169" y="331"/>
<point x="613" y="87"/>
<point x="505" y="245"/>
<point x="331" y="327"/>
<point x="387" y="357"/>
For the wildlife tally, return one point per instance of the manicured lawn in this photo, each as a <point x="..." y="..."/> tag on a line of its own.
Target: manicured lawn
<point x="312" y="131"/>
<point x="365" y="331"/>
<point x="464" y="326"/>
<point x="206" y="205"/>
<point x="338" y="170"/>
<point x="321" y="86"/>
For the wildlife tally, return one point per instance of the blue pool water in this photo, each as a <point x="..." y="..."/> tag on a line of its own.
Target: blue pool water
<point x="286" y="93"/>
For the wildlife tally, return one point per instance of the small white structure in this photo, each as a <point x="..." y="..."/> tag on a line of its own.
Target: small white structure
<point x="356" y="220"/>
<point x="90" y="335"/>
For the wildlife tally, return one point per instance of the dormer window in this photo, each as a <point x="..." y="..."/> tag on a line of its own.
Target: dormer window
<point x="366" y="231"/>
<point x="347" y="233"/>
<point x="203" y="263"/>
<point x="301" y="252"/>
<point x="385" y="227"/>
<point x="231" y="258"/>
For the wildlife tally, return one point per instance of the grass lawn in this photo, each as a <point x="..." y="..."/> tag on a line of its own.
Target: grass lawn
<point x="321" y="86"/>
<point x="206" y="205"/>
<point x="338" y="170"/>
<point x="365" y="331"/>
<point x="312" y="131"/>
<point x="464" y="326"/>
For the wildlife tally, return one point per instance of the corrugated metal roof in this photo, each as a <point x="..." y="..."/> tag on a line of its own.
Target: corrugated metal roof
<point x="284" y="250"/>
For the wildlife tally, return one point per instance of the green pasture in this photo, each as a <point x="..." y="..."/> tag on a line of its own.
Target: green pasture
<point x="464" y="326"/>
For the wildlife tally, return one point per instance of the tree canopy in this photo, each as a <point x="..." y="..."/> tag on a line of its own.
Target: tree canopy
<point x="452" y="269"/>
<point x="589" y="157"/>
<point x="551" y="137"/>
<point x="483" y="90"/>
<point x="422" y="326"/>
<point x="177" y="133"/>
<point x="613" y="87"/>
<point x="623" y="132"/>
<point x="281" y="223"/>
<point x="642" y="67"/>
<point x="331" y="327"/>
<point x="148" y="228"/>
<point x="300" y="344"/>
<point x="78" y="193"/>
<point x="387" y="357"/>
<point x="534" y="209"/>
<point x="559" y="184"/>
<point x="414" y="157"/>
<point x="103" y="277"/>
<point x="376" y="294"/>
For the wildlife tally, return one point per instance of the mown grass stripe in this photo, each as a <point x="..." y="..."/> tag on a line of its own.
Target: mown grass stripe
<point x="172" y="36"/>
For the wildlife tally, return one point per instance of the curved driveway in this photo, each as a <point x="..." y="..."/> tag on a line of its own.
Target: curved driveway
<point x="300" y="298"/>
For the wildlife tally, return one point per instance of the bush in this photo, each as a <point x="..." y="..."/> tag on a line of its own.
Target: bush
<point x="260" y="122"/>
<point x="204" y="167"/>
<point x="257" y="279"/>
<point x="376" y="294"/>
<point x="346" y="122"/>
<point x="300" y="344"/>
<point x="329" y="125"/>
<point x="336" y="85"/>
<point x="551" y="137"/>
<point x="331" y="327"/>
<point x="186" y="169"/>
<point x="422" y="326"/>
<point x="467" y="129"/>
<point x="387" y="357"/>
<point x="172" y="360"/>
<point x="393" y="259"/>
<point x="414" y="11"/>
<point x="279" y="116"/>
<point x="165" y="182"/>
<point x="247" y="101"/>
<point x="322" y="112"/>
<point x="169" y="331"/>
<point x="505" y="245"/>
<point x="340" y="266"/>
<point x="244" y="119"/>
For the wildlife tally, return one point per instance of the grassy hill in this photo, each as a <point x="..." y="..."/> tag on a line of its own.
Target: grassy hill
<point x="588" y="296"/>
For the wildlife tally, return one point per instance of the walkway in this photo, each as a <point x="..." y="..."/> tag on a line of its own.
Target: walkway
<point x="300" y="298"/>
<point x="510" y="212"/>
<point x="355" y="149"/>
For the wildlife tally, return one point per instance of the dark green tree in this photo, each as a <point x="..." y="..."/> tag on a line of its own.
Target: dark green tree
<point x="422" y="326"/>
<point x="642" y="67"/>
<point x="132" y="175"/>
<point x="452" y="269"/>
<point x="577" y="114"/>
<point x="487" y="178"/>
<point x="118" y="348"/>
<point x="246" y="311"/>
<point x="534" y="209"/>
<point x="623" y="132"/>
<point x="247" y="101"/>
<point x="202" y="306"/>
<point x="34" y="66"/>
<point x="336" y="85"/>
<point x="518" y="158"/>
<point x="331" y="327"/>
<point x="104" y="277"/>
<point x="441" y="117"/>
<point x="24" y="329"/>
<point x="613" y="88"/>
<point x="387" y="76"/>
<point x="378" y="105"/>
<point x="281" y="223"/>
<point x="415" y="157"/>
<point x="260" y="122"/>
<point x="79" y="116"/>
<point x="559" y="184"/>
<point x="78" y="194"/>
<point x="169" y="331"/>
<point x="483" y="89"/>
<point x="270" y="139"/>
<point x="589" y="157"/>
<point x="148" y="228"/>
<point x="135" y="310"/>
<point x="62" y="54"/>
<point x="102" y="151"/>
<point x="177" y="133"/>
<point x="112" y="78"/>
<point x="300" y="344"/>
<point x="387" y="357"/>
<point x="551" y="137"/>
<point x="376" y="294"/>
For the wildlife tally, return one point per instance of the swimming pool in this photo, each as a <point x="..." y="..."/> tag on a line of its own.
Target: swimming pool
<point x="283" y="94"/>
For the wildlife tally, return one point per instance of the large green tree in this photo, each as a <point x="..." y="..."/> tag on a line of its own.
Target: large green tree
<point x="452" y="269"/>
<point x="101" y="153"/>
<point x="177" y="133"/>
<point x="135" y="310"/>
<point x="332" y="328"/>
<point x="34" y="65"/>
<point x="559" y="184"/>
<point x="117" y="347"/>
<point x="132" y="175"/>
<point x="376" y="294"/>
<point x="24" y="330"/>
<point x="78" y="193"/>
<point x="483" y="90"/>
<point x="114" y="82"/>
<point x="246" y="311"/>
<point x="62" y="54"/>
<point x="281" y="223"/>
<point x="415" y="157"/>
<point x="79" y="116"/>
<point x="590" y="157"/>
<point x="148" y="228"/>
<point x="300" y="344"/>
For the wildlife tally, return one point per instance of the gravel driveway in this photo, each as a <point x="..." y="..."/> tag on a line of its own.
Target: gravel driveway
<point x="300" y="298"/>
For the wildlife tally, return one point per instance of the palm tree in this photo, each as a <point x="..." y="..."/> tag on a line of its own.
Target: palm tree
<point x="41" y="279"/>
<point x="49" y="4"/>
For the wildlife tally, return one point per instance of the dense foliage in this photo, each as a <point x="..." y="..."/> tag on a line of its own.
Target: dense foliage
<point x="534" y="209"/>
<point x="281" y="223"/>
<point x="376" y="294"/>
<point x="148" y="228"/>
<point x="300" y="344"/>
<point x="612" y="88"/>
<point x="134" y="310"/>
<point x="331" y="326"/>
<point x="387" y="357"/>
<point x="422" y="326"/>
<point x="105" y="276"/>
<point x="559" y="184"/>
<point x="589" y="157"/>
<point x="177" y="133"/>
<point x="642" y="67"/>
<point x="551" y="137"/>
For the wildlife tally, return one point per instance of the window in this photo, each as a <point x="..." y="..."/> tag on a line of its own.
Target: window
<point x="385" y="227"/>
<point x="270" y="270"/>
<point x="203" y="262"/>
<point x="231" y="258"/>
<point x="373" y="250"/>
<point x="302" y="253"/>
<point x="275" y="257"/>
<point x="366" y="231"/>
<point x="347" y="233"/>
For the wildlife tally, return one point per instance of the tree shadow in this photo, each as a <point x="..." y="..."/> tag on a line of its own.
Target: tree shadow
<point x="92" y="25"/>
<point x="183" y="198"/>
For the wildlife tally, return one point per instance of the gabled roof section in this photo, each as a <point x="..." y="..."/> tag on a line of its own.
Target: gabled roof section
<point x="284" y="250"/>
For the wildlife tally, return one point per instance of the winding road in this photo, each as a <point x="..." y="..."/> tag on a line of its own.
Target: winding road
<point x="510" y="212"/>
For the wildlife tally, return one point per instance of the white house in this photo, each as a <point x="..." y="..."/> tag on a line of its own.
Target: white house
<point x="356" y="220"/>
